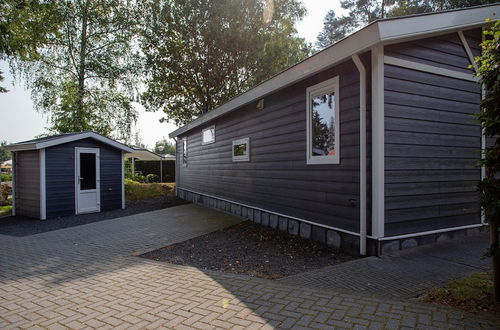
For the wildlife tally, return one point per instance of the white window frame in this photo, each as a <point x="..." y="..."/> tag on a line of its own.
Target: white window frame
<point x="184" y="153"/>
<point x="325" y="87"/>
<point x="203" y="142"/>
<point x="245" y="158"/>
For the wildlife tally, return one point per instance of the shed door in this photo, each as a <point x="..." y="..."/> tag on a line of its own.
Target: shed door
<point x="87" y="180"/>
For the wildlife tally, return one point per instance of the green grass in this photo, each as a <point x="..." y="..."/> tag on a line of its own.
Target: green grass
<point x="137" y="191"/>
<point x="473" y="294"/>
<point x="5" y="210"/>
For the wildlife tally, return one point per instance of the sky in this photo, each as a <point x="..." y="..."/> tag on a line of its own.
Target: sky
<point x="19" y="121"/>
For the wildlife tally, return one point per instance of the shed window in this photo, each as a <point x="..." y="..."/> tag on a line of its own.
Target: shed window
<point x="208" y="135"/>
<point x="241" y="150"/>
<point x="323" y="144"/>
<point x="184" y="151"/>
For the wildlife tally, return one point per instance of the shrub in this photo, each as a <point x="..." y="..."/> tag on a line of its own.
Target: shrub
<point x="6" y="177"/>
<point x="152" y="178"/>
<point x="5" y="191"/>
<point x="137" y="191"/>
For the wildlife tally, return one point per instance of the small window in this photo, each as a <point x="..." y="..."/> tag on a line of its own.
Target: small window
<point x="184" y="151"/>
<point x="208" y="135"/>
<point x="323" y="144"/>
<point x="241" y="150"/>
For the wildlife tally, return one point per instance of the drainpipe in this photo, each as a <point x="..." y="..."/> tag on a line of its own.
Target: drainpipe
<point x="362" y="153"/>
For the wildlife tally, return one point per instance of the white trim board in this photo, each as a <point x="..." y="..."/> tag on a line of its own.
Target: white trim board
<point x="378" y="143"/>
<point x="123" y="179"/>
<point x="43" y="186"/>
<point x="430" y="232"/>
<point x="65" y="139"/>
<point x="14" y="165"/>
<point x="429" y="68"/>
<point x="467" y="50"/>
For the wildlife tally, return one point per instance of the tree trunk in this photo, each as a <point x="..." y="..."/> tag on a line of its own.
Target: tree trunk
<point x="80" y="120"/>
<point x="495" y="258"/>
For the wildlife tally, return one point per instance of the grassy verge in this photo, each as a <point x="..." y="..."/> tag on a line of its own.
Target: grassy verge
<point x="5" y="210"/>
<point x="472" y="294"/>
<point x="137" y="191"/>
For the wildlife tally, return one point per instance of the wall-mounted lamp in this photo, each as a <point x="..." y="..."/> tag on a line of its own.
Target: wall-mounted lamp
<point x="260" y="104"/>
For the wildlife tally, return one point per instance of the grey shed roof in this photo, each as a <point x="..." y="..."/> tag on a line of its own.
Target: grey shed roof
<point x="54" y="140"/>
<point x="384" y="31"/>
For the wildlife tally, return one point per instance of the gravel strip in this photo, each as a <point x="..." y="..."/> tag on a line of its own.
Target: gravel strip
<point x="248" y="248"/>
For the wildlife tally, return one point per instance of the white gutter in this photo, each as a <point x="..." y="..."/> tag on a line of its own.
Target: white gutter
<point x="362" y="153"/>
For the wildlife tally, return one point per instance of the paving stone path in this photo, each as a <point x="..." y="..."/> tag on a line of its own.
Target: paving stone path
<point x="406" y="275"/>
<point x="88" y="277"/>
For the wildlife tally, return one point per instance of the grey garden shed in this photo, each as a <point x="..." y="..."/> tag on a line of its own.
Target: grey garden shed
<point x="369" y="145"/>
<point x="67" y="174"/>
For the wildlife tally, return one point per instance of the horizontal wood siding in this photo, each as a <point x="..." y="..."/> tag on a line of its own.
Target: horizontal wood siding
<point x="28" y="183"/>
<point x="277" y="177"/>
<point x="432" y="142"/>
<point x="60" y="177"/>
<point x="445" y="51"/>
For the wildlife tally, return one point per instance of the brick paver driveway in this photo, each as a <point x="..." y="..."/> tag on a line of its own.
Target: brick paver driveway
<point x="88" y="277"/>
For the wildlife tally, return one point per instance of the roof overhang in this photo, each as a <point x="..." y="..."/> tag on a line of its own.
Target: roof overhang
<point x="143" y="154"/>
<point x="385" y="31"/>
<point x="65" y="139"/>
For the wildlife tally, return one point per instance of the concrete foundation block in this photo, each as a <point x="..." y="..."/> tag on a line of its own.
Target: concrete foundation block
<point x="283" y="223"/>
<point x="409" y="243"/>
<point x="257" y="216"/>
<point x="244" y="212"/>
<point x="250" y="214"/>
<point x="389" y="247"/>
<point x="318" y="234"/>
<point x="305" y="230"/>
<point x="273" y="221"/>
<point x="293" y="227"/>
<point x="443" y="237"/>
<point x="333" y="239"/>
<point x="265" y="219"/>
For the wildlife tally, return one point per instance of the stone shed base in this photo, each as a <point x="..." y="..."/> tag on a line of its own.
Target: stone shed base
<point x="305" y="229"/>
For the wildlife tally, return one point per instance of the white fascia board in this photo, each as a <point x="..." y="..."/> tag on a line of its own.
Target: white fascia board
<point x="66" y="139"/>
<point x="81" y="136"/>
<point x="21" y="147"/>
<point x="428" y="24"/>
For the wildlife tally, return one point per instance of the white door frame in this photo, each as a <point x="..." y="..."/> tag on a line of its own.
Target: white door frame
<point x="78" y="151"/>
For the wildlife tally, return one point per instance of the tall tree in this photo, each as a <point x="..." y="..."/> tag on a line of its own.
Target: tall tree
<point x="25" y="26"/>
<point x="489" y="187"/>
<point x="201" y="53"/>
<point x="4" y="154"/>
<point x="85" y="76"/>
<point x="363" y="12"/>
<point x="164" y="146"/>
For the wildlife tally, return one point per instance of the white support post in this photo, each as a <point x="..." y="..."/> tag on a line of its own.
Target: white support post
<point x="362" y="153"/>
<point x="378" y="141"/>
<point x="133" y="167"/>
<point x="123" y="180"/>
<point x="161" y="170"/>
<point x="43" y="190"/>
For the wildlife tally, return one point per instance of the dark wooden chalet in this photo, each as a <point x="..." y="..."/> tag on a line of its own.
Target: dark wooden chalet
<point x="368" y="145"/>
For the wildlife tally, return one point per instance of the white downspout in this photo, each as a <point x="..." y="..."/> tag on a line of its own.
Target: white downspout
<point x="362" y="153"/>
